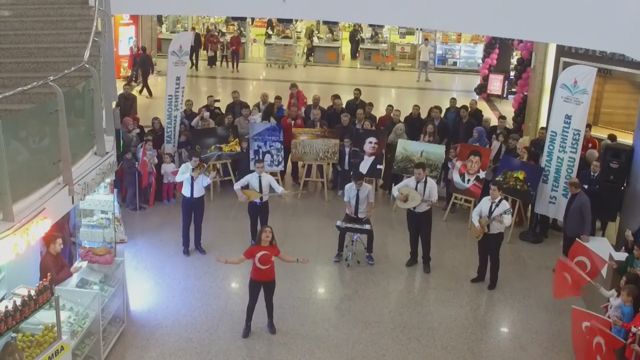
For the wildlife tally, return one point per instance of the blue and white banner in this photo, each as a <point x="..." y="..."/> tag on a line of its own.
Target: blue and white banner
<point x="565" y="134"/>
<point x="176" y="78"/>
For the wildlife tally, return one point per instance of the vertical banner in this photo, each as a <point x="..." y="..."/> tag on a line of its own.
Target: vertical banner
<point x="565" y="134"/>
<point x="178" y="57"/>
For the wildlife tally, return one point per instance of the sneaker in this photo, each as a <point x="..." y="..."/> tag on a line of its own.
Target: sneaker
<point x="411" y="262"/>
<point x="173" y="201"/>
<point x="246" y="331"/>
<point x="271" y="327"/>
<point x="338" y="257"/>
<point x="165" y="203"/>
<point x="369" y="259"/>
<point x="427" y="80"/>
<point x="426" y="268"/>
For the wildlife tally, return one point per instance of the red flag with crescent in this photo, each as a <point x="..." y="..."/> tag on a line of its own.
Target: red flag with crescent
<point x="601" y="343"/>
<point x="581" y="321"/>
<point x="590" y="263"/>
<point x="567" y="280"/>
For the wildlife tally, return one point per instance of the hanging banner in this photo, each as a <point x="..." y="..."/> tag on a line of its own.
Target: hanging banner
<point x="177" y="60"/>
<point x="565" y="133"/>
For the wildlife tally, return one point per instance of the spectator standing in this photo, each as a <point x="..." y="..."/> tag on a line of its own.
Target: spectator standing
<point x="127" y="102"/>
<point x="235" y="44"/>
<point x="236" y="105"/>
<point x="424" y="51"/>
<point x="196" y="45"/>
<point x="356" y="103"/>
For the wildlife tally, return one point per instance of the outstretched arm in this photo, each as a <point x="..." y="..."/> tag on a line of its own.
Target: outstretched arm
<point x="235" y="261"/>
<point x="289" y="259"/>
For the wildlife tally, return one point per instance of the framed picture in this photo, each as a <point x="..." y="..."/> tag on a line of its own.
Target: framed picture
<point x="369" y="154"/>
<point x="408" y="153"/>
<point x="469" y="170"/>
<point x="315" y="145"/>
<point x="265" y="142"/>
<point x="216" y="144"/>
<point x="520" y="179"/>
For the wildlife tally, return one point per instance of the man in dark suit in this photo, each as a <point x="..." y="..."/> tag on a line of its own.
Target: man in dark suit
<point x="145" y="63"/>
<point x="196" y="45"/>
<point x="236" y="105"/>
<point x="315" y="104"/>
<point x="577" y="217"/>
<point x="414" y="123"/>
<point x="590" y="180"/>
<point x="334" y="116"/>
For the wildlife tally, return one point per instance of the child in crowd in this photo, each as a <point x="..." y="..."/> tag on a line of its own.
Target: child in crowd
<point x="147" y="137"/>
<point x="621" y="327"/>
<point x="631" y="263"/>
<point x="614" y="307"/>
<point x="447" y="176"/>
<point x="184" y="146"/>
<point x="169" y="180"/>
<point x="148" y="161"/>
<point x="255" y="116"/>
<point x="345" y="158"/>
<point x="131" y="174"/>
<point x="224" y="52"/>
<point x="367" y="125"/>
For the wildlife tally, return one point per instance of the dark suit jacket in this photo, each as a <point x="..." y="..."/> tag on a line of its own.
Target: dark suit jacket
<point x="307" y="112"/>
<point x="231" y="109"/>
<point x="345" y="131"/>
<point x="591" y="187"/>
<point x="467" y="130"/>
<point x="577" y="217"/>
<point x="443" y="131"/>
<point x="493" y="130"/>
<point x="333" y="117"/>
<point x="413" y="127"/>
<point x="342" y="155"/>
<point x="197" y="41"/>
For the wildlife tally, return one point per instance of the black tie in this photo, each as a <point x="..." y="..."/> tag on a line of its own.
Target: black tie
<point x="260" y="187"/>
<point x="593" y="176"/>
<point x="193" y="182"/>
<point x="417" y="183"/>
<point x="491" y="210"/>
<point x="357" y="207"/>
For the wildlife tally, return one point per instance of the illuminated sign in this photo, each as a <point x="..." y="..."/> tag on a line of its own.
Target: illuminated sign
<point x="17" y="242"/>
<point x="495" y="84"/>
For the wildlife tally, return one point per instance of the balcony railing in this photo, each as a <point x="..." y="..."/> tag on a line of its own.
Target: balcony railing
<point x="39" y="145"/>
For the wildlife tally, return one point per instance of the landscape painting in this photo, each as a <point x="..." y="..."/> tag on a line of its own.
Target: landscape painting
<point x="315" y="145"/>
<point x="408" y="153"/>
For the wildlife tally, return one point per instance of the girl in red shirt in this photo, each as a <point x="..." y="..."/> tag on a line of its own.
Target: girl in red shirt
<point x="263" y="274"/>
<point x="297" y="94"/>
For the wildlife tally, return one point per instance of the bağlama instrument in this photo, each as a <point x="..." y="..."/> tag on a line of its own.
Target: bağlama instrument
<point x="413" y="198"/>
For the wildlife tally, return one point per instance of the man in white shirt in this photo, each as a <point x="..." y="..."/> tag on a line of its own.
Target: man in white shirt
<point x="419" y="218"/>
<point x="358" y="198"/>
<point x="193" y="191"/>
<point x="498" y="212"/>
<point x="425" y="51"/>
<point x="258" y="209"/>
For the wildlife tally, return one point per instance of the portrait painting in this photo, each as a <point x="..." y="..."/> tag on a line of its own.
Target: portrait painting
<point x="315" y="145"/>
<point x="469" y="171"/>
<point x="265" y="143"/>
<point x="408" y="153"/>
<point x="369" y="152"/>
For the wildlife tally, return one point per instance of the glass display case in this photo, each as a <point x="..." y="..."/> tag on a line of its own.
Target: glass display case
<point x="101" y="290"/>
<point x="458" y="50"/>
<point x="4" y="284"/>
<point x="98" y="220"/>
<point x="471" y="55"/>
<point x="34" y="335"/>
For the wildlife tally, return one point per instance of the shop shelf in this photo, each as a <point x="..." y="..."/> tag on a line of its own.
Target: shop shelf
<point x="110" y="337"/>
<point x="87" y="346"/>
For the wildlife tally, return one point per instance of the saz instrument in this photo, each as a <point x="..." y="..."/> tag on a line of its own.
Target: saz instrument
<point x="484" y="224"/>
<point x="253" y="195"/>
<point x="413" y="198"/>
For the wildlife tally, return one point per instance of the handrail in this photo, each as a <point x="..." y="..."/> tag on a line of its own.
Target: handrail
<point x="87" y="53"/>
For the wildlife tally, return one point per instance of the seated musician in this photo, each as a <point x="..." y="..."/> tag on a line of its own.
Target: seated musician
<point x="358" y="198"/>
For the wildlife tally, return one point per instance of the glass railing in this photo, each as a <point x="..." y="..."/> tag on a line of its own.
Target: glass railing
<point x="55" y="123"/>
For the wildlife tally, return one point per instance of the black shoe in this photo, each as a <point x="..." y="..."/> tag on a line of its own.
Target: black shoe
<point x="185" y="252"/>
<point x="426" y="268"/>
<point x="556" y="227"/>
<point x="271" y="327"/>
<point x="411" y="262"/>
<point x="476" y="280"/>
<point x="338" y="257"/>
<point x="246" y="331"/>
<point x="201" y="250"/>
<point x="491" y="286"/>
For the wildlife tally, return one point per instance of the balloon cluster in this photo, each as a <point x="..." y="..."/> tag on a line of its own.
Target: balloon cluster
<point x="489" y="60"/>
<point x="522" y="73"/>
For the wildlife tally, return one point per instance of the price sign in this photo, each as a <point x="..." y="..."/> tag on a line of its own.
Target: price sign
<point x="495" y="84"/>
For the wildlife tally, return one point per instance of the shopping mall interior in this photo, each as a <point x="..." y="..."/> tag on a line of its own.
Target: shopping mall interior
<point x="85" y="274"/>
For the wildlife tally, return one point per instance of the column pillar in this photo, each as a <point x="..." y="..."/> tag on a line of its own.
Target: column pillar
<point x="149" y="33"/>
<point x="532" y="119"/>
<point x="630" y="213"/>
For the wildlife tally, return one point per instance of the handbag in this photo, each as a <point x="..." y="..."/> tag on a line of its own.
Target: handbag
<point x="89" y="256"/>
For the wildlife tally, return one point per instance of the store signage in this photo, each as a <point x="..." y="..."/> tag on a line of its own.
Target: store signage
<point x="601" y="54"/>
<point x="58" y="352"/>
<point x="177" y="59"/>
<point x="567" y="121"/>
<point x="97" y="177"/>
<point x="17" y="242"/>
<point x="402" y="33"/>
<point x="495" y="85"/>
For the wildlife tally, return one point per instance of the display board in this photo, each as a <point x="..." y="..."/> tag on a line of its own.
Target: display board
<point x="315" y="145"/>
<point x="369" y="146"/>
<point x="469" y="170"/>
<point x="265" y="142"/>
<point x="408" y="153"/>
<point x="520" y="179"/>
<point x="495" y="85"/>
<point x="216" y="144"/>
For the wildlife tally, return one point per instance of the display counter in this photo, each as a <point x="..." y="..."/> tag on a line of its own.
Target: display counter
<point x="372" y="54"/>
<point x="327" y="52"/>
<point x="165" y="41"/>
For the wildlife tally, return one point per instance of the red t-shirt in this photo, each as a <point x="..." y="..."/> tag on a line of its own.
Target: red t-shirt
<point x="263" y="266"/>
<point x="287" y="130"/>
<point x="588" y="144"/>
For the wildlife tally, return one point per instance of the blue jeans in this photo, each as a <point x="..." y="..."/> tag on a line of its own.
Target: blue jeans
<point x="235" y="60"/>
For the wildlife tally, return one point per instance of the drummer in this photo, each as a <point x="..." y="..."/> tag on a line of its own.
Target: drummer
<point x="358" y="198"/>
<point x="419" y="217"/>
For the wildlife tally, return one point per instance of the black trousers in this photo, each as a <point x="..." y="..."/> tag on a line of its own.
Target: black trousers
<point x="145" y="84"/>
<point x="350" y="219"/>
<point x="192" y="210"/>
<point x="254" y="292"/>
<point x="225" y="58"/>
<point x="489" y="250"/>
<point x="340" y="178"/>
<point x="212" y="59"/>
<point x="295" y="170"/>
<point x="567" y="243"/>
<point x="257" y="212"/>
<point x="235" y="60"/>
<point x="194" y="53"/>
<point x="603" y="224"/>
<point x="419" y="225"/>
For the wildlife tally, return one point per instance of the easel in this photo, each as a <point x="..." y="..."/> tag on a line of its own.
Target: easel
<point x="393" y="198"/>
<point x="314" y="167"/>
<point x="221" y="177"/>
<point x="462" y="201"/>
<point x="276" y="176"/>
<point x="515" y="214"/>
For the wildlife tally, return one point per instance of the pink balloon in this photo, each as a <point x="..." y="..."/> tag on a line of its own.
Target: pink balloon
<point x="528" y="71"/>
<point x="494" y="62"/>
<point x="483" y="96"/>
<point x="526" y="54"/>
<point x="526" y="89"/>
<point x="525" y="77"/>
<point x="496" y="51"/>
<point x="529" y="45"/>
<point x="518" y="98"/>
<point x="514" y="106"/>
<point x="484" y="72"/>
<point x="516" y="44"/>
<point x="487" y="39"/>
<point x="522" y="47"/>
<point x="487" y="61"/>
<point x="493" y="56"/>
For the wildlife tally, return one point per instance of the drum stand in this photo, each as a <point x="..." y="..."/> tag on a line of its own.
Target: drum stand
<point x="351" y="247"/>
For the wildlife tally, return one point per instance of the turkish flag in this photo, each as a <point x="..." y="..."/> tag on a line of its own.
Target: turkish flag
<point x="581" y="321"/>
<point x="586" y="260"/>
<point x="601" y="343"/>
<point x="567" y="280"/>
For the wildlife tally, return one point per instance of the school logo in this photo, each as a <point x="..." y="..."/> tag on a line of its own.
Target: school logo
<point x="574" y="89"/>
<point x="179" y="54"/>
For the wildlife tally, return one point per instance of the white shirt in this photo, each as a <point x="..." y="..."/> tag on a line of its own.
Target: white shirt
<point x="267" y="182"/>
<point x="424" y="52"/>
<point x="184" y="176"/>
<point x="366" y="196"/>
<point x="166" y="171"/>
<point x="482" y="210"/>
<point x="430" y="193"/>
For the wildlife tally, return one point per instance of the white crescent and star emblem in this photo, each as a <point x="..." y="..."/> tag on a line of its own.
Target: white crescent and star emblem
<point x="569" y="280"/>
<point x="585" y="325"/>
<point x="599" y="341"/>
<point x="584" y="260"/>
<point x="257" y="260"/>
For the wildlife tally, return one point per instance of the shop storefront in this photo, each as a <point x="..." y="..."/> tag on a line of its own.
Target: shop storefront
<point x="616" y="92"/>
<point x="458" y="51"/>
<point x="82" y="317"/>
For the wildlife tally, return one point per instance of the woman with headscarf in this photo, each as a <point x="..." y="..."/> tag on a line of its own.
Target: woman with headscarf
<point x="390" y="179"/>
<point x="132" y="63"/>
<point x="157" y="131"/>
<point x="479" y="137"/>
<point x="129" y="136"/>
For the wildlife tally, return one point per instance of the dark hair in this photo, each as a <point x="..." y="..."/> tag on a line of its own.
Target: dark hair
<point x="335" y="96"/>
<point x="273" y="236"/>
<point x="368" y="121"/>
<point x="465" y="108"/>
<point x="209" y="97"/>
<point x="502" y="117"/>
<point x="50" y="239"/>
<point x="588" y="126"/>
<point x="437" y="107"/>
<point x="515" y="137"/>
<point x="531" y="155"/>
<point x="576" y="184"/>
<point x="193" y="154"/>
<point x="358" y="90"/>
<point x="258" y="161"/>
<point x="612" y="137"/>
<point x="143" y="49"/>
<point x="504" y="134"/>
<point x="277" y="97"/>
<point x="357" y="176"/>
<point x="543" y="128"/>
<point x="245" y="107"/>
<point x="148" y="142"/>
<point x="186" y="101"/>
<point x="390" y="106"/>
<point x="126" y="84"/>
<point x="474" y="153"/>
<point x="498" y="185"/>
<point x="170" y="155"/>
<point x="370" y="104"/>
<point x="420" y="166"/>
<point x="630" y="290"/>
<point x="359" y="109"/>
<point x="235" y="92"/>
<point x="415" y="105"/>
<point x="453" y="99"/>
<point x="294" y="85"/>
